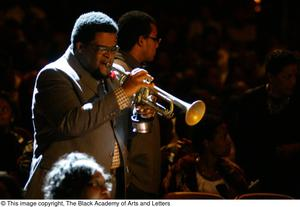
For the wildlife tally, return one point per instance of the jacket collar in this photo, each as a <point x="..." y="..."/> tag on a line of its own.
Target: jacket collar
<point x="128" y="59"/>
<point x="74" y="65"/>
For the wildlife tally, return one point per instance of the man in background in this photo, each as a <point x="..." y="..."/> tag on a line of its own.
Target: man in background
<point x="138" y="40"/>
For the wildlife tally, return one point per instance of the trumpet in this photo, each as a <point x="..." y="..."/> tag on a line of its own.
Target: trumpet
<point x="193" y="112"/>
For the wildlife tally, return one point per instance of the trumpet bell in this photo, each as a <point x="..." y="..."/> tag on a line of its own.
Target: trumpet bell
<point x="195" y="113"/>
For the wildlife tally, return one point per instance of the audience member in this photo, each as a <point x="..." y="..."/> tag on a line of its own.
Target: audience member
<point x="77" y="176"/>
<point x="178" y="142"/>
<point x="264" y="130"/>
<point x="12" y="139"/>
<point x="208" y="169"/>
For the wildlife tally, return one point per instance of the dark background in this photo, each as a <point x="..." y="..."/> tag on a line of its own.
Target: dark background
<point x="215" y="45"/>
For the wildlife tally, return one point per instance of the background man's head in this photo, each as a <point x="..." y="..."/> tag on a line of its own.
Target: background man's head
<point x="138" y="29"/>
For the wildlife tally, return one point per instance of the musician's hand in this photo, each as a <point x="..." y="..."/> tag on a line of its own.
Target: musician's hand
<point x="145" y="111"/>
<point x="137" y="79"/>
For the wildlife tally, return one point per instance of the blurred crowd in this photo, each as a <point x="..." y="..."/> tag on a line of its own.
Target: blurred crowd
<point x="210" y="50"/>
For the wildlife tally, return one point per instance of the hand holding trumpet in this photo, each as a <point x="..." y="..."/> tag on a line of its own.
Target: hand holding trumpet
<point x="135" y="80"/>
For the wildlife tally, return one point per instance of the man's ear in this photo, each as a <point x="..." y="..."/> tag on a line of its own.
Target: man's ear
<point x="79" y="46"/>
<point x="141" y="40"/>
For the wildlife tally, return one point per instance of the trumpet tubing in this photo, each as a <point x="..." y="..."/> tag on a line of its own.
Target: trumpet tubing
<point x="193" y="112"/>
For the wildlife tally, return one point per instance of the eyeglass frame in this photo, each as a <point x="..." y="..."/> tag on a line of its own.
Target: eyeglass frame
<point x="106" y="49"/>
<point x="155" y="39"/>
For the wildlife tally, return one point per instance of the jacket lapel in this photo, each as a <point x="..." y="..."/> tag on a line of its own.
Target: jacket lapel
<point x="87" y="82"/>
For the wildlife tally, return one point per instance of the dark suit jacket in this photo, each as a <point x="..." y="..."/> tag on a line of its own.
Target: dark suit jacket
<point x="61" y="124"/>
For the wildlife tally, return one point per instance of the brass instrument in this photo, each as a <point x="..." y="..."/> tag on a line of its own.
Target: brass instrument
<point x="193" y="112"/>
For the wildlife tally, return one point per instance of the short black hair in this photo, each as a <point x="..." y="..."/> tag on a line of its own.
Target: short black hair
<point x="132" y="25"/>
<point x="88" y="24"/>
<point x="277" y="59"/>
<point x="70" y="175"/>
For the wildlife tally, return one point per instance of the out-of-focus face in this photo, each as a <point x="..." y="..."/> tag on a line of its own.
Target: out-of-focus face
<point x="283" y="84"/>
<point x="5" y="112"/>
<point x="97" y="188"/>
<point x="96" y="54"/>
<point x="151" y="44"/>
<point x="221" y="144"/>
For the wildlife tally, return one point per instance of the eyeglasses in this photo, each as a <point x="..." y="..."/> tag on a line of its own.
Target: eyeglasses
<point x="155" y="39"/>
<point x="106" y="49"/>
